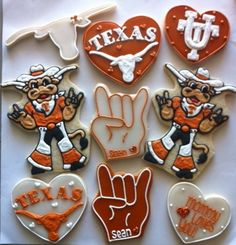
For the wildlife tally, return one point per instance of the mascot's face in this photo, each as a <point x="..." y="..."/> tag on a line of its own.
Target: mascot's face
<point x="197" y="93"/>
<point x="41" y="89"/>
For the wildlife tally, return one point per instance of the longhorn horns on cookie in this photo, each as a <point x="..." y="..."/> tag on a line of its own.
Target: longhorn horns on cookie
<point x="185" y="75"/>
<point x="113" y="58"/>
<point x="20" y="83"/>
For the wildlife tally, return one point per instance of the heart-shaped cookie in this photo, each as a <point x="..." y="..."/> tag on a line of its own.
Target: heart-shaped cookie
<point x="123" y="53"/>
<point x="196" y="218"/>
<point x="50" y="210"/>
<point x="196" y="36"/>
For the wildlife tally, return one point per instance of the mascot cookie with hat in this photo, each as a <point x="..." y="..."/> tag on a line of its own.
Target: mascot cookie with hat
<point x="47" y="106"/>
<point x="194" y="112"/>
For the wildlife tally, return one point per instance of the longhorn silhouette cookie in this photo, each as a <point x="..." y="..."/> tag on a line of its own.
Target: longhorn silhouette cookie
<point x="196" y="37"/>
<point x="63" y="32"/>
<point x="122" y="204"/>
<point x="50" y="210"/>
<point x="193" y="110"/>
<point x="123" y="53"/>
<point x="50" y="101"/>
<point x="120" y="124"/>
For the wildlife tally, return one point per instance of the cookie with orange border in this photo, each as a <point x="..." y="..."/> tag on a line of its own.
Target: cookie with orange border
<point x="122" y="204"/>
<point x="120" y="124"/>
<point x="196" y="36"/>
<point x="123" y="53"/>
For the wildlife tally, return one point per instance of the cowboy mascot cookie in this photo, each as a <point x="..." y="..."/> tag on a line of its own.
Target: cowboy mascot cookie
<point x="194" y="112"/>
<point x="46" y="106"/>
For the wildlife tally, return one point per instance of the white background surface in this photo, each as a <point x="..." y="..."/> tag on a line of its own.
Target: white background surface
<point x="219" y="177"/>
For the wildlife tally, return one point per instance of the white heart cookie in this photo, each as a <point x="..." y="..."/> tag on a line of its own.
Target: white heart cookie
<point x="50" y="210"/>
<point x="196" y="218"/>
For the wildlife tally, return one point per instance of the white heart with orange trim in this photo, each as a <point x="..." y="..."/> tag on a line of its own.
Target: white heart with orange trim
<point x="50" y="211"/>
<point x="196" y="218"/>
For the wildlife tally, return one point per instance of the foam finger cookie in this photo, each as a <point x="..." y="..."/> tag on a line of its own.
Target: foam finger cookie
<point x="196" y="217"/>
<point x="51" y="105"/>
<point x="120" y="125"/>
<point x="51" y="210"/>
<point x="193" y="109"/>
<point x="196" y="36"/>
<point x="122" y="204"/>
<point x="123" y="53"/>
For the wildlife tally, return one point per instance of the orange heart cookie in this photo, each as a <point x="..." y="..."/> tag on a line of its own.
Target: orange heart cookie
<point x="196" y="36"/>
<point x="123" y="53"/>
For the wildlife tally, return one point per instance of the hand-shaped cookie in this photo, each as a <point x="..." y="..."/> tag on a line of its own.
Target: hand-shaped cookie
<point x="120" y="125"/>
<point x="74" y="99"/>
<point x="122" y="203"/>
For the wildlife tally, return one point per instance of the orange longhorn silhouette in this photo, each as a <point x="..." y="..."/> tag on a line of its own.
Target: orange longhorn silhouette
<point x="51" y="221"/>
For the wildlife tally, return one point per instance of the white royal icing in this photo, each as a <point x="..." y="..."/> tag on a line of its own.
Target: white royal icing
<point x="208" y="216"/>
<point x="62" y="32"/>
<point x="126" y="63"/>
<point x="46" y="205"/>
<point x="120" y="125"/>
<point x="196" y="34"/>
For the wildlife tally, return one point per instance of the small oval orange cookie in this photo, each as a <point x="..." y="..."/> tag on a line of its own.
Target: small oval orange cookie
<point x="122" y="204"/>
<point x="123" y="53"/>
<point x="196" y="36"/>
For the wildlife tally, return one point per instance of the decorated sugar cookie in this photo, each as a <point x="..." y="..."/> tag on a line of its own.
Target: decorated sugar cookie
<point x="50" y="211"/>
<point x="195" y="217"/>
<point x="196" y="36"/>
<point x="50" y="105"/>
<point x="120" y="125"/>
<point x="122" y="204"/>
<point x="62" y="32"/>
<point x="193" y="109"/>
<point x="123" y="53"/>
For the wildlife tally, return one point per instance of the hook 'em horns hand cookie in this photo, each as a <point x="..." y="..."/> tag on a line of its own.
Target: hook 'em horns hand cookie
<point x="122" y="204"/>
<point x="47" y="106"/>
<point x="63" y="32"/>
<point x="120" y="124"/>
<point x="194" y="109"/>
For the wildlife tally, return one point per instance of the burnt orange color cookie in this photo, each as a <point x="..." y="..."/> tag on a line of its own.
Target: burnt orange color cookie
<point x="122" y="204"/>
<point x="123" y="53"/>
<point x="196" y="36"/>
